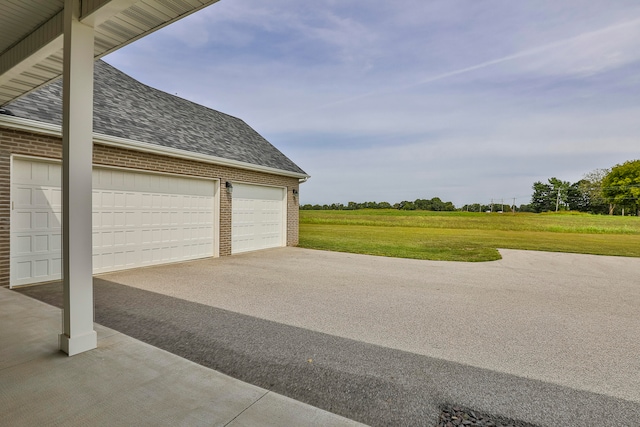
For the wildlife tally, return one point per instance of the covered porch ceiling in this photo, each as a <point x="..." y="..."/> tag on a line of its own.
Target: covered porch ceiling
<point x="31" y="34"/>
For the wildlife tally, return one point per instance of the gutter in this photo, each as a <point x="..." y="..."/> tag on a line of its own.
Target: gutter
<point x="34" y="126"/>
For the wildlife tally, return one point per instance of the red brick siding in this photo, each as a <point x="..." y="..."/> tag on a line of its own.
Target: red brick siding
<point x="18" y="142"/>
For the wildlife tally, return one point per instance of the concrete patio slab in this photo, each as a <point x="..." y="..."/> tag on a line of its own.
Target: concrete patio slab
<point x="123" y="382"/>
<point x="271" y="411"/>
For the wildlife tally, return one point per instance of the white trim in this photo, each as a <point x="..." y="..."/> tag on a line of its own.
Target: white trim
<point x="36" y="158"/>
<point x="236" y="181"/>
<point x="35" y="126"/>
<point x="11" y="220"/>
<point x="27" y="125"/>
<point x="124" y="168"/>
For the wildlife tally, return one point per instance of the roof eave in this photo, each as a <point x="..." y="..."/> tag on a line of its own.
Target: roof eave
<point x="34" y="126"/>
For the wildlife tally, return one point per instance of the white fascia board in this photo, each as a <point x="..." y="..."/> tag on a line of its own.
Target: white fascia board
<point x="35" y="126"/>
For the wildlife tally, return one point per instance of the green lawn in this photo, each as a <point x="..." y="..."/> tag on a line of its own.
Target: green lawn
<point x="463" y="236"/>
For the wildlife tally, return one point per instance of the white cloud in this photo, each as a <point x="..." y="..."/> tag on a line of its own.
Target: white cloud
<point x="586" y="54"/>
<point x="461" y="100"/>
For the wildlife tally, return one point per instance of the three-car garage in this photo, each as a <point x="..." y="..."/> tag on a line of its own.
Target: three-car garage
<point x="192" y="184"/>
<point x="139" y="219"/>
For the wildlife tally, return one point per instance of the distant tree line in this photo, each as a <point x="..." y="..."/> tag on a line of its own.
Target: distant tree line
<point x="492" y="207"/>
<point x="435" y="204"/>
<point x="602" y="191"/>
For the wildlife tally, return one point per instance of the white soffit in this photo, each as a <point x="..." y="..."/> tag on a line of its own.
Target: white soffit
<point x="31" y="34"/>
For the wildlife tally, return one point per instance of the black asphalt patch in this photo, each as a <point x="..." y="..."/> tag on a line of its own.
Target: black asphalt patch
<point x="375" y="385"/>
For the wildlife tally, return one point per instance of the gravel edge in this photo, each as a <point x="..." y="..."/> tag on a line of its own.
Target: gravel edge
<point x="451" y="416"/>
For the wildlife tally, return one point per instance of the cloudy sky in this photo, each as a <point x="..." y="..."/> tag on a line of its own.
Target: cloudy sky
<point x="398" y="100"/>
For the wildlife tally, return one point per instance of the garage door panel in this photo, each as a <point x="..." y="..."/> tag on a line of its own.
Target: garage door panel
<point x="21" y="221"/>
<point x="138" y="219"/>
<point x="40" y="220"/>
<point x="133" y="237"/>
<point x="123" y="259"/>
<point x="27" y="269"/>
<point x="168" y="235"/>
<point x="132" y="218"/>
<point x="96" y="220"/>
<point x="133" y="199"/>
<point x="156" y="201"/>
<point x="120" y="219"/>
<point x="22" y="197"/>
<point x="106" y="199"/>
<point x="41" y="197"/>
<point x="41" y="243"/>
<point x="106" y="219"/>
<point x="155" y="218"/>
<point x="258" y="217"/>
<point x="257" y="192"/>
<point x="146" y="201"/>
<point x="119" y="200"/>
<point x="23" y="245"/>
<point x="44" y="174"/>
<point x="190" y="202"/>
<point x="22" y="270"/>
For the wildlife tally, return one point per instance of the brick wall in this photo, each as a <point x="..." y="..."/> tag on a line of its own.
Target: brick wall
<point x="18" y="142"/>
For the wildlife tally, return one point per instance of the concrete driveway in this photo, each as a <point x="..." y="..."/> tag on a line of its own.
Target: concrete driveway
<point x="563" y="319"/>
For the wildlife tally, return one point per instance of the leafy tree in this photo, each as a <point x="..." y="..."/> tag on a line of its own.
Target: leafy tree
<point x="436" y="204"/>
<point x="475" y="207"/>
<point x="577" y="198"/>
<point x="550" y="197"/>
<point x="591" y="187"/>
<point x="622" y="185"/>
<point x="541" y="200"/>
<point x="421" y="204"/>
<point x="407" y="206"/>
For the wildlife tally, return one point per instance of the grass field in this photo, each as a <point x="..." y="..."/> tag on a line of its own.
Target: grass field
<point x="464" y="236"/>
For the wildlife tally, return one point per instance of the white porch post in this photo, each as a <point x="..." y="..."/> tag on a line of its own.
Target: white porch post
<point x="77" y="152"/>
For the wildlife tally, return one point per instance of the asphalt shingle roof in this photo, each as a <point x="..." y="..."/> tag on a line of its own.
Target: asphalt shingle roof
<point x="126" y="108"/>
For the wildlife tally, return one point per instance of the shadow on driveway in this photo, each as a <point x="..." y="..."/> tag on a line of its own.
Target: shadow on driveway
<point x="367" y="383"/>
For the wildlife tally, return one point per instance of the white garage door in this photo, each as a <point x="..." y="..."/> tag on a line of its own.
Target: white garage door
<point x="142" y="219"/>
<point x="258" y="218"/>
<point x="139" y="219"/>
<point x="36" y="220"/>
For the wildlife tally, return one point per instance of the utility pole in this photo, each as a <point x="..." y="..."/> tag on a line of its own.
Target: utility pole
<point x="514" y="206"/>
<point x="558" y="200"/>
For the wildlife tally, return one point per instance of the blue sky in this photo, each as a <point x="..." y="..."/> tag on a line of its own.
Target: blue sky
<point x="388" y="101"/>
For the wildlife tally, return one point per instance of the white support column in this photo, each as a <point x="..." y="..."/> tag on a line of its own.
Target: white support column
<point x="77" y="152"/>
